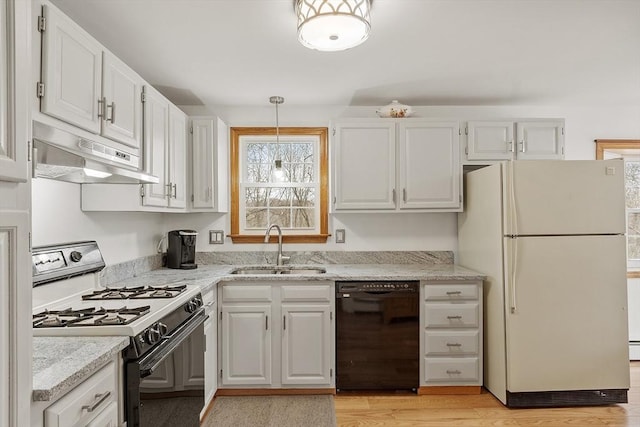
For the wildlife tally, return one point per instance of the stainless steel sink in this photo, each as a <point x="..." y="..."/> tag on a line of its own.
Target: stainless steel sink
<point x="278" y="270"/>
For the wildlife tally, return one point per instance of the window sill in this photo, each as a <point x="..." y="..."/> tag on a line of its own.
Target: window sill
<point x="291" y="238"/>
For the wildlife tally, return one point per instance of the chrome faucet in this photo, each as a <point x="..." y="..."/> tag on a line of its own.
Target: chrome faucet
<point x="280" y="260"/>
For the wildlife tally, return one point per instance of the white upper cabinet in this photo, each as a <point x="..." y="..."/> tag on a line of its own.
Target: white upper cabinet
<point x="397" y="165"/>
<point x="85" y="85"/>
<point x="176" y="162"/>
<point x="429" y="165"/>
<point x="209" y="164"/>
<point x="364" y="156"/>
<point x="508" y="140"/>
<point x="156" y="141"/>
<point x="14" y="93"/>
<point x="121" y="102"/>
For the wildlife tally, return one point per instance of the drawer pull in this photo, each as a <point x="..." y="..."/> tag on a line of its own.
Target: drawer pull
<point x="454" y="344"/>
<point x="97" y="402"/>
<point x="456" y="372"/>
<point x="454" y="317"/>
<point x="454" y="293"/>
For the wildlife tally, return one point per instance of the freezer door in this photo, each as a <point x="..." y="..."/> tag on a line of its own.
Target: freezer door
<point x="555" y="197"/>
<point x="566" y="313"/>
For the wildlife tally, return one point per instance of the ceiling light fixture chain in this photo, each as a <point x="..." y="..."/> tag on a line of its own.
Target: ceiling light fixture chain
<point x="333" y="25"/>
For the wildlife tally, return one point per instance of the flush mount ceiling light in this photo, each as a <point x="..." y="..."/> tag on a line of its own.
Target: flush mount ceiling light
<point x="333" y="25"/>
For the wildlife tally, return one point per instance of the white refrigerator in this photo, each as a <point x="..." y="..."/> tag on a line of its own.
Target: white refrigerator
<point x="549" y="235"/>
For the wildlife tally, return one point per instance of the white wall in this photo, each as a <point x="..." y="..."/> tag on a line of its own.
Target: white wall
<point x="122" y="236"/>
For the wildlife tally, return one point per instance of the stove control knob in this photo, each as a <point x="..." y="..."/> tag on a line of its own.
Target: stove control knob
<point x="162" y="329"/>
<point x="191" y="306"/>
<point x="152" y="335"/>
<point x="75" y="256"/>
<point x="198" y="301"/>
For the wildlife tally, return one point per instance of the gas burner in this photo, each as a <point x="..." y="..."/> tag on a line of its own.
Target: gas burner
<point x="138" y="292"/>
<point x="88" y="317"/>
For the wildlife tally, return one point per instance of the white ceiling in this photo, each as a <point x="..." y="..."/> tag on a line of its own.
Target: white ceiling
<point x="421" y="52"/>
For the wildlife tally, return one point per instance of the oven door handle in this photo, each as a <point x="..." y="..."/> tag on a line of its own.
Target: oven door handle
<point x="151" y="361"/>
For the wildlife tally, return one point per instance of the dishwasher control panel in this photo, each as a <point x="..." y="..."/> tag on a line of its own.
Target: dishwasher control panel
<point x="378" y="286"/>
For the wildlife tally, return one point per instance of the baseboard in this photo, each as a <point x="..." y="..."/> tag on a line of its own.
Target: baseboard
<point x="435" y="390"/>
<point x="272" y="391"/>
<point x="634" y="350"/>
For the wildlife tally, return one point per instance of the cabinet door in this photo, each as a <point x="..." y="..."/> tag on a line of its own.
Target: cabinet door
<point x="364" y="166"/>
<point x="177" y="160"/>
<point x="541" y="140"/>
<point x="121" y="91"/>
<point x="489" y="140"/>
<point x="71" y="69"/>
<point x="156" y="138"/>
<point x="246" y="345"/>
<point x="209" y="160"/>
<point x="14" y="92"/>
<point x="210" y="356"/>
<point x="430" y="173"/>
<point x="306" y="344"/>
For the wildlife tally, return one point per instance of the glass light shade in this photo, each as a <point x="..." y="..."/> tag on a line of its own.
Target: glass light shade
<point x="96" y="174"/>
<point x="333" y="25"/>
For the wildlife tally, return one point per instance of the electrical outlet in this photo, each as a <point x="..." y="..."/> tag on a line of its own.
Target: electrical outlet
<point x="340" y="235"/>
<point x="216" y="237"/>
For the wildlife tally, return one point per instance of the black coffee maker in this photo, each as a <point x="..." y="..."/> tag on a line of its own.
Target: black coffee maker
<point x="181" y="252"/>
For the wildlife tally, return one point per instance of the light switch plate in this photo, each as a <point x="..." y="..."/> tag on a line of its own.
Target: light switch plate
<point x="340" y="235"/>
<point x="216" y="237"/>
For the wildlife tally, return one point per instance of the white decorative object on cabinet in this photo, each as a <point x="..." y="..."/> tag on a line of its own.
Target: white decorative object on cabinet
<point x="209" y="160"/>
<point x="525" y="139"/>
<point x="15" y="217"/>
<point x="85" y="85"/>
<point x="451" y="339"/>
<point x="275" y="336"/>
<point x="397" y="165"/>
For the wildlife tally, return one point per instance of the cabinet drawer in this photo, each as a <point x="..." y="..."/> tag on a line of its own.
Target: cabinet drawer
<point x="451" y="370"/>
<point x="261" y="293"/>
<point x="306" y="293"/>
<point x="450" y="343"/>
<point x="451" y="292"/>
<point x="451" y="315"/>
<point x="97" y="392"/>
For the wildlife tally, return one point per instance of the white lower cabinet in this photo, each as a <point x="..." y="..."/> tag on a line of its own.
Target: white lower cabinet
<point x="451" y="339"/>
<point x="93" y="403"/>
<point x="276" y="336"/>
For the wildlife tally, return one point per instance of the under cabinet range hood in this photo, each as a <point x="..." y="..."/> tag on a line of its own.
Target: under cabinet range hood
<point x="61" y="155"/>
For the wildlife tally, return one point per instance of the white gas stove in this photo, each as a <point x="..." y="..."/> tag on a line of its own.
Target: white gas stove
<point x="68" y="299"/>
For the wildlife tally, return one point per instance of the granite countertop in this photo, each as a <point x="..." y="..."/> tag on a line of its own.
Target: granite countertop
<point x="207" y="276"/>
<point x="61" y="363"/>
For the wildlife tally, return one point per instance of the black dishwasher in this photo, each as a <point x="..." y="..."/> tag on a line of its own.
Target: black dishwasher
<point x="377" y="335"/>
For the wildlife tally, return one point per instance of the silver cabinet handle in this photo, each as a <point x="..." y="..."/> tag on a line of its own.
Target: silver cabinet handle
<point x="454" y="344"/>
<point x="393" y="195"/>
<point x="522" y="146"/>
<point x="284" y="322"/>
<point x="175" y="191"/>
<point x="266" y="322"/>
<point x="101" y="103"/>
<point x="454" y="317"/>
<point x="510" y="147"/>
<point x="99" y="398"/>
<point x="454" y="372"/>
<point x="404" y="195"/>
<point x="111" y="118"/>
<point x="454" y="292"/>
<point x="169" y="189"/>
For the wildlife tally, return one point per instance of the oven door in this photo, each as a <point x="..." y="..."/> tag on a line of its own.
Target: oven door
<point x="165" y="386"/>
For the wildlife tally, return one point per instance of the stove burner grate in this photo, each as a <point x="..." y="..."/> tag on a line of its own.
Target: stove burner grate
<point x="137" y="292"/>
<point x="88" y="317"/>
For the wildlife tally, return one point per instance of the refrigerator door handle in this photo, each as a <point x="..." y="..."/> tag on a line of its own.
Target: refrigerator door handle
<point x="514" y="267"/>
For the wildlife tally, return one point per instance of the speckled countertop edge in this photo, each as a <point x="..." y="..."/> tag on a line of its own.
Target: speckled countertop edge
<point x="61" y="363"/>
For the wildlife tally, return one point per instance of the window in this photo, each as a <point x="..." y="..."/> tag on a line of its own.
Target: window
<point x="629" y="150"/>
<point x="296" y="200"/>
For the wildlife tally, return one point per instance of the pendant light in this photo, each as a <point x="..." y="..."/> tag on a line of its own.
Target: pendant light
<point x="278" y="173"/>
<point x="333" y="25"/>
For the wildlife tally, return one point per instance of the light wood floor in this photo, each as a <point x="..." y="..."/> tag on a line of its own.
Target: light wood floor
<point x="479" y="410"/>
